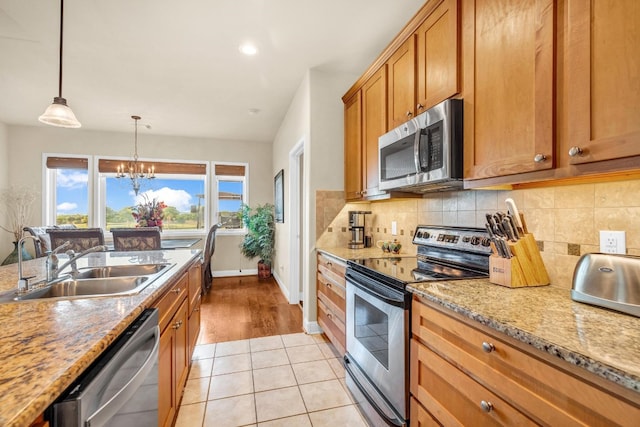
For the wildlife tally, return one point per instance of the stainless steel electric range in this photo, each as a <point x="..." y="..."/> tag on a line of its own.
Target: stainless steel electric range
<point x="378" y="314"/>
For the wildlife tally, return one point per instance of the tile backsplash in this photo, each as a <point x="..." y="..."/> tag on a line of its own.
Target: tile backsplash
<point x="565" y="219"/>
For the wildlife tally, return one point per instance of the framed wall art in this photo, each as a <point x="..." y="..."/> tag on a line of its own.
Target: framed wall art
<point x="278" y="183"/>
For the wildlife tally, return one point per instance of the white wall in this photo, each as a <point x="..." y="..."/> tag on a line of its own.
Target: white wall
<point x="5" y="238"/>
<point x="316" y="117"/>
<point x="27" y="143"/>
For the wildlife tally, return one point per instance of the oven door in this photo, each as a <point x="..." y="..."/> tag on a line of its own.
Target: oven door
<point x="377" y="337"/>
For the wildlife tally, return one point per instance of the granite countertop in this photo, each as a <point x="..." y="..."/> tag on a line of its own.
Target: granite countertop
<point x="601" y="341"/>
<point x="46" y="344"/>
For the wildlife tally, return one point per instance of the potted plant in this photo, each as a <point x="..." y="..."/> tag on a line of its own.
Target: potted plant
<point x="260" y="238"/>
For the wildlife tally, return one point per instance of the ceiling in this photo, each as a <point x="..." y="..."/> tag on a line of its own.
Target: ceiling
<point x="177" y="63"/>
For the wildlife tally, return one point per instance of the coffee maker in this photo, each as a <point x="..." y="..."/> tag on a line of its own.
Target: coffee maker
<point x="357" y="228"/>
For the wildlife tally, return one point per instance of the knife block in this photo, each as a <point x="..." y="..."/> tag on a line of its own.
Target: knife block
<point x="525" y="268"/>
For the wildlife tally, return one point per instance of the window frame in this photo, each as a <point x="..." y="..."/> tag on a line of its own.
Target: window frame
<point x="215" y="200"/>
<point x="48" y="214"/>
<point x="101" y="199"/>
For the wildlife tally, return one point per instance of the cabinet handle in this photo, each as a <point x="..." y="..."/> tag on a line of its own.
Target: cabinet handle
<point x="328" y="285"/>
<point x="329" y="263"/>
<point x="486" y="406"/>
<point x="176" y="291"/>
<point x="419" y="106"/>
<point x="488" y="347"/>
<point x="177" y="324"/>
<point x="329" y="316"/>
<point x="539" y="158"/>
<point x="409" y="114"/>
<point x="575" y="151"/>
<point x="196" y="309"/>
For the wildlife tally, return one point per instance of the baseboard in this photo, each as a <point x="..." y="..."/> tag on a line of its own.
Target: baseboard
<point x="283" y="289"/>
<point x="231" y="273"/>
<point x="312" y="328"/>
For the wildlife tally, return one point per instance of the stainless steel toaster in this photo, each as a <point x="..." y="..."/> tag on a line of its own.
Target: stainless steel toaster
<point x="610" y="281"/>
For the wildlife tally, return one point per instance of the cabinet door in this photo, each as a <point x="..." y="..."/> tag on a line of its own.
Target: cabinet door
<point x="402" y="83"/>
<point x="166" y="380"/>
<point x="353" y="147"/>
<point x="182" y="356"/>
<point x="194" y="327"/>
<point x="374" y="124"/>
<point x="508" y="86"/>
<point x="603" y="79"/>
<point x="438" y="53"/>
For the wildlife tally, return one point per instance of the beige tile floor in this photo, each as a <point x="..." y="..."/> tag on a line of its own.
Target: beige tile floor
<point x="277" y="381"/>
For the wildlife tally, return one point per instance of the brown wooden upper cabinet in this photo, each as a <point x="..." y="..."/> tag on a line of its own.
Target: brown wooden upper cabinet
<point x="353" y="147"/>
<point x="602" y="54"/>
<point x="508" y="87"/>
<point x="438" y="55"/>
<point x="374" y="124"/>
<point x="365" y="119"/>
<point x="401" y="68"/>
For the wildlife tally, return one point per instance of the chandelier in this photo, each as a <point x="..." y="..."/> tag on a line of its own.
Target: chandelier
<point x="135" y="171"/>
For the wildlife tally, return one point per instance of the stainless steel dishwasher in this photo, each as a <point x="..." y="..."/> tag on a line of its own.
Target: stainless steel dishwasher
<point x="121" y="387"/>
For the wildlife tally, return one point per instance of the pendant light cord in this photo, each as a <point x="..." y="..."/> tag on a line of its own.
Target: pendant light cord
<point x="60" y="62"/>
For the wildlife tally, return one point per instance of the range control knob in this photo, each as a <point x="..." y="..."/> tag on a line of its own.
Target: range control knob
<point x="475" y="240"/>
<point x="466" y="239"/>
<point x="485" y="241"/>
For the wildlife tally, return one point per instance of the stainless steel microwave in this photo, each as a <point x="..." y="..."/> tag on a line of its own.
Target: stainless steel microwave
<point x="425" y="153"/>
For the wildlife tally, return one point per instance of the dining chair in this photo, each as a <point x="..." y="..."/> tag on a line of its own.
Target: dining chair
<point x="80" y="239"/>
<point x="209" y="248"/>
<point x="43" y="244"/>
<point x="136" y="239"/>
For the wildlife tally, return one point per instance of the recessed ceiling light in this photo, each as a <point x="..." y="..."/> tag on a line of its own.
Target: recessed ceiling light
<point x="248" y="49"/>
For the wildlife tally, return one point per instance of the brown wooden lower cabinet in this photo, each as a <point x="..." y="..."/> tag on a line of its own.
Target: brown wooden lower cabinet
<point x="330" y="285"/>
<point x="464" y="373"/>
<point x="180" y="327"/>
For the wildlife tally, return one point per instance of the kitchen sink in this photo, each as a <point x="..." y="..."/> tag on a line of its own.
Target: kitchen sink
<point x="90" y="282"/>
<point x="120" y="271"/>
<point x="89" y="287"/>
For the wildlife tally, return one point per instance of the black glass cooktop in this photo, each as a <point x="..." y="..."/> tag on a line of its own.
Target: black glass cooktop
<point x="414" y="269"/>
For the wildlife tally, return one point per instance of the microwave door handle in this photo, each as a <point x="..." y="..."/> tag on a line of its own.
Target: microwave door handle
<point x="416" y="150"/>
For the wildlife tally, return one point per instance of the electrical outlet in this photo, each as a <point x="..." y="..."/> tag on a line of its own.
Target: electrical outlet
<point x="394" y="228"/>
<point x="613" y="242"/>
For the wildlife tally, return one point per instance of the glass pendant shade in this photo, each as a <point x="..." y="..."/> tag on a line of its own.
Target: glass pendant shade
<point x="59" y="114"/>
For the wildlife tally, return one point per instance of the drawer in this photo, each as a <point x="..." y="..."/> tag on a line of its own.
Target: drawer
<point x="169" y="303"/>
<point x="453" y="397"/>
<point x="332" y="292"/>
<point x="546" y="393"/>
<point x="332" y="326"/>
<point x="333" y="269"/>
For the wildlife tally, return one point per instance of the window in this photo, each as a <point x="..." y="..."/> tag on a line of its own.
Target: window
<point x="67" y="195"/>
<point x="230" y="194"/>
<point x="181" y="186"/>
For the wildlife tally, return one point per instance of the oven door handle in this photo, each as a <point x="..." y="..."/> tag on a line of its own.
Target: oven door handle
<point x="375" y="405"/>
<point x="376" y="291"/>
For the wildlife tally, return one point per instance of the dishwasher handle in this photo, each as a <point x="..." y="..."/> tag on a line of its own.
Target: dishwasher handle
<point x="111" y="407"/>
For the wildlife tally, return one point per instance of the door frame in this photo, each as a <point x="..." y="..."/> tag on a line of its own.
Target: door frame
<point x="296" y="269"/>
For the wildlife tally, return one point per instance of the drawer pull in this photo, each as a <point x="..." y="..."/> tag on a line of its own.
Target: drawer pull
<point x="329" y="316"/>
<point x="177" y="324"/>
<point x="486" y="406"/>
<point x="419" y="106"/>
<point x="329" y="263"/>
<point x="176" y="291"/>
<point x="539" y="158"/>
<point x="488" y="347"/>
<point x="328" y="285"/>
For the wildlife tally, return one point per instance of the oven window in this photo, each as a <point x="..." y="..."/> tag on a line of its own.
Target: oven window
<point x="372" y="330"/>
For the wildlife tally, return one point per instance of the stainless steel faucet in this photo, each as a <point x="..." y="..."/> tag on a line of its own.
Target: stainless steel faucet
<point x="23" y="282"/>
<point x="73" y="257"/>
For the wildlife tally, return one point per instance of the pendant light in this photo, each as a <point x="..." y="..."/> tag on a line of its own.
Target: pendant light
<point x="58" y="113"/>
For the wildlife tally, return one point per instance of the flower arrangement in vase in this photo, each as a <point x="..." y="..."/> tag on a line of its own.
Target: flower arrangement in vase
<point x="149" y="213"/>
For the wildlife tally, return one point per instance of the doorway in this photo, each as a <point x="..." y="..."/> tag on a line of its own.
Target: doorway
<point x="296" y="230"/>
